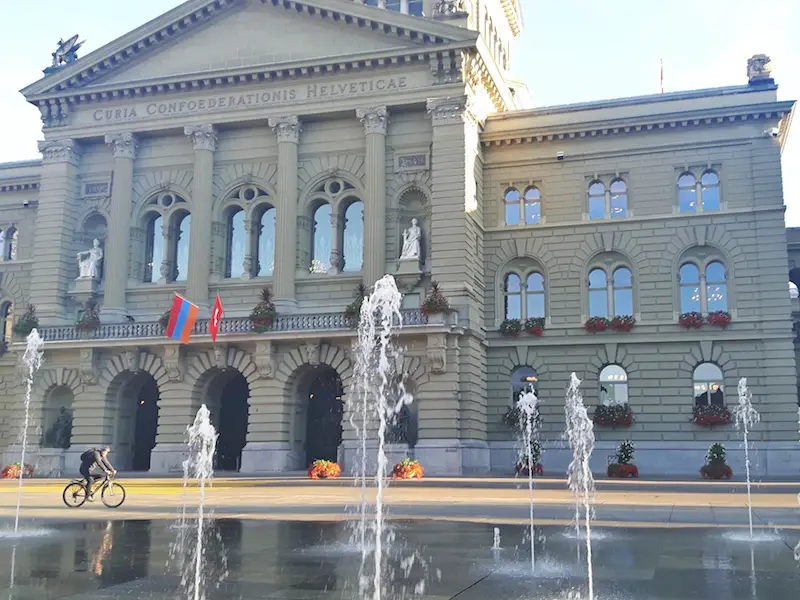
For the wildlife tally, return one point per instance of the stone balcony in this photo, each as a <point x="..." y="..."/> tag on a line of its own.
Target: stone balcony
<point x="237" y="329"/>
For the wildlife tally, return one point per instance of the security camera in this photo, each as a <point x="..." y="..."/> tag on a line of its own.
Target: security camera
<point x="26" y="203"/>
<point x="773" y="133"/>
<point x="559" y="156"/>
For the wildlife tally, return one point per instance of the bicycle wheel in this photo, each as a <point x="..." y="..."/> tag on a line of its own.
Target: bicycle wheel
<point x="113" y="494"/>
<point x="74" y="494"/>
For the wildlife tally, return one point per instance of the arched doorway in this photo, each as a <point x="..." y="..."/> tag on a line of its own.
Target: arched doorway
<point x="322" y="395"/>
<point x="227" y="397"/>
<point x="137" y="422"/>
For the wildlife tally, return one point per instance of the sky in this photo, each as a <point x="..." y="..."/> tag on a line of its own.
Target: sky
<point x="569" y="51"/>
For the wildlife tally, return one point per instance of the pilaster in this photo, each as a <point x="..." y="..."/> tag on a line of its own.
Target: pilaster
<point x="287" y="129"/>
<point x="204" y="143"/>
<point x="375" y="120"/>
<point x="123" y="146"/>
<point x="54" y="261"/>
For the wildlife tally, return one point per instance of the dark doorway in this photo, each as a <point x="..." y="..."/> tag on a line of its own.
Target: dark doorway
<point x="145" y="424"/>
<point x="325" y="411"/>
<point x="233" y="414"/>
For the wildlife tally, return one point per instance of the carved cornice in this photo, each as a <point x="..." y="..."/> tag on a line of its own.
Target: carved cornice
<point x="123" y="145"/>
<point x="449" y="110"/>
<point x="287" y="129"/>
<point x="57" y="151"/>
<point x="203" y="137"/>
<point x="375" y="119"/>
<point x="20" y="185"/>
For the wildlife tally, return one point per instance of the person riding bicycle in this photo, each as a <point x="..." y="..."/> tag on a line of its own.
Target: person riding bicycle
<point x="92" y="461"/>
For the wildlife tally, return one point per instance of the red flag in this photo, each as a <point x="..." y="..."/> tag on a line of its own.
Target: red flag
<point x="216" y="318"/>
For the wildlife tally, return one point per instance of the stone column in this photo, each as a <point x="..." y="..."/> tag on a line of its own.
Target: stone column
<point x="54" y="262"/>
<point x="204" y="142"/>
<point x="118" y="246"/>
<point x="287" y="129"/>
<point x="375" y="120"/>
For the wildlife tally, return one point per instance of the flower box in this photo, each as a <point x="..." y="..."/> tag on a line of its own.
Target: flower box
<point x="511" y="327"/>
<point x="13" y="471"/>
<point x="596" y="324"/>
<point x="514" y="418"/>
<point x="623" y="323"/>
<point x="619" y="415"/>
<point x="709" y="415"/>
<point x="436" y="302"/>
<point x="521" y="469"/>
<point x="324" y="469"/>
<point x="691" y="320"/>
<point x="623" y="471"/>
<point x="263" y="314"/>
<point x="716" y="471"/>
<point x="27" y="322"/>
<point x="535" y="326"/>
<point x="408" y="469"/>
<point x="163" y="320"/>
<point x="719" y="318"/>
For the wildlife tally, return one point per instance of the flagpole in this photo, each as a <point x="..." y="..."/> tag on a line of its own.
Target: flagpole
<point x="662" y="75"/>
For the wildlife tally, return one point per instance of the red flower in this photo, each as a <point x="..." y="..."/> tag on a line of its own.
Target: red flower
<point x="716" y="471"/>
<point x="596" y="324"/>
<point x="691" y="320"/>
<point x="408" y="469"/>
<point x="522" y="469"/>
<point x="622" y="323"/>
<point x="710" y="415"/>
<point x="324" y="469"/>
<point x="623" y="471"/>
<point x="719" y="318"/>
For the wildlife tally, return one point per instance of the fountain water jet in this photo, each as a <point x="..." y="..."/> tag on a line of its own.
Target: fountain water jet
<point x="746" y="417"/>
<point x="580" y="435"/>
<point x="528" y="408"/>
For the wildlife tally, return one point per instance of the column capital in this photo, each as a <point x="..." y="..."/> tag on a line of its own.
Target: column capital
<point x="286" y="128"/>
<point x="374" y="118"/>
<point x="123" y="145"/>
<point x="58" y="151"/>
<point x="448" y="110"/>
<point x="203" y="137"/>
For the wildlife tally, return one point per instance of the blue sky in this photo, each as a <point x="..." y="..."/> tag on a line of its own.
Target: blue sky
<point x="570" y="51"/>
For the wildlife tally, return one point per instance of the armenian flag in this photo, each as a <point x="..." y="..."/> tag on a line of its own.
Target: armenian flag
<point x="182" y="316"/>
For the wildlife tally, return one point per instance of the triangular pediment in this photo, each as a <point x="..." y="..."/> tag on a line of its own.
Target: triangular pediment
<point x="219" y="36"/>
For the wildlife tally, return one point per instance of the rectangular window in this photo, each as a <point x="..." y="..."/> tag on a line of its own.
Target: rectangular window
<point x="533" y="213"/>
<point x="535" y="305"/>
<point x="597" y="207"/>
<point x="623" y="302"/>
<point x="598" y="303"/>
<point x="690" y="299"/>
<point x="514" y="306"/>
<point x="512" y="214"/>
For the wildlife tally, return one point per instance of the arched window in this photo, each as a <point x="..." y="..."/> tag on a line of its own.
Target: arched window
<point x="522" y="380"/>
<point x="534" y="296"/>
<point x="237" y="242"/>
<point x="709" y="191"/>
<point x="618" y="199"/>
<point x="687" y="193"/>
<point x="353" y="237"/>
<point x="154" y="248"/>
<point x="597" y="200"/>
<point x="512" y="204"/>
<point x="613" y="386"/>
<point x="513" y="296"/>
<point x="6" y="321"/>
<point x="793" y="291"/>
<point x="709" y="385"/>
<point x="10" y="246"/>
<point x="180" y="246"/>
<point x="266" y="243"/>
<point x="321" y="241"/>
<point x="716" y="287"/>
<point x="598" y="293"/>
<point x="623" y="292"/>
<point x="533" y="206"/>
<point x="689" y="280"/>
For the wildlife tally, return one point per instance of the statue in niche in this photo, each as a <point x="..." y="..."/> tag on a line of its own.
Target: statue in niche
<point x="412" y="238"/>
<point x="89" y="261"/>
<point x="58" y="436"/>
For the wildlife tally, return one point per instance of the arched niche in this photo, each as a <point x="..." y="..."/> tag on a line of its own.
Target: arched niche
<point x="93" y="227"/>
<point x="57" y="417"/>
<point x="413" y="204"/>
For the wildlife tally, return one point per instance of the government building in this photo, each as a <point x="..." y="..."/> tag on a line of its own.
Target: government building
<point x="308" y="147"/>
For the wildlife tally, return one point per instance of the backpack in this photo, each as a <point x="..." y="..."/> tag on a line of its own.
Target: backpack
<point x="87" y="456"/>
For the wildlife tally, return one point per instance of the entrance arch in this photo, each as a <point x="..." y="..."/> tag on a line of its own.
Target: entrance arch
<point x="136" y="421"/>
<point x="227" y="397"/>
<point x="320" y="396"/>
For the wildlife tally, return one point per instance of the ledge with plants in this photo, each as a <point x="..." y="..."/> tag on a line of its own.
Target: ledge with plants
<point x="90" y="319"/>
<point x="263" y="314"/>
<point x="324" y="469"/>
<point x="522" y="466"/>
<point x="719" y="318"/>
<point x="624" y="468"/>
<point x="408" y="468"/>
<point x="617" y="415"/>
<point x="596" y="324"/>
<point x="716" y="466"/>
<point x="709" y="415"/>
<point x="535" y="326"/>
<point x="13" y="471"/>
<point x="690" y="320"/>
<point x="622" y="323"/>
<point x="436" y="303"/>
<point x="27" y="322"/>
<point x="352" y="311"/>
<point x="511" y="327"/>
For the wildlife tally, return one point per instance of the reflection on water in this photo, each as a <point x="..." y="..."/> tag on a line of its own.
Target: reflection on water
<point x="85" y="561"/>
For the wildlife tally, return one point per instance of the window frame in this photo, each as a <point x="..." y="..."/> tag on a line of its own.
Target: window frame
<point x="171" y="206"/>
<point x="700" y="206"/>
<point x="339" y="194"/>
<point x="607" y="181"/>
<point x="7" y="321"/>
<point x="522" y="202"/>
<point x="517" y="388"/>
<point x="719" y="381"/>
<point x="614" y="385"/>
<point x="523" y="293"/>
<point x="610" y="288"/>
<point x="702" y="283"/>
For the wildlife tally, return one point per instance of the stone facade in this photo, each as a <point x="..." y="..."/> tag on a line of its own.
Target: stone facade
<point x="209" y="163"/>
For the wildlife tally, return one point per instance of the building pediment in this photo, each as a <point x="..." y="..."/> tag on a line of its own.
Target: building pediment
<point x="214" y="40"/>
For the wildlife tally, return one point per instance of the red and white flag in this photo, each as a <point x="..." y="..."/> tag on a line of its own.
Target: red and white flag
<point x="216" y="318"/>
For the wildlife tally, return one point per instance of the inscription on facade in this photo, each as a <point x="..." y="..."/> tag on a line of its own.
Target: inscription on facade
<point x="255" y="99"/>
<point x="412" y="160"/>
<point x="96" y="188"/>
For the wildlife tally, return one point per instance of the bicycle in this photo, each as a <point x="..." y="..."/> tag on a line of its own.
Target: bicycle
<point x="112" y="494"/>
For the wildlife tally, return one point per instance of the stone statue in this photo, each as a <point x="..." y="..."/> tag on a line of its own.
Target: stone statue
<point x="89" y="262"/>
<point x="758" y="69"/>
<point x="59" y="434"/>
<point x="67" y="52"/>
<point x="411" y="242"/>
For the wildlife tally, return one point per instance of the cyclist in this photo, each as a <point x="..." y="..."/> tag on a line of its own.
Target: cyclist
<point x="91" y="461"/>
